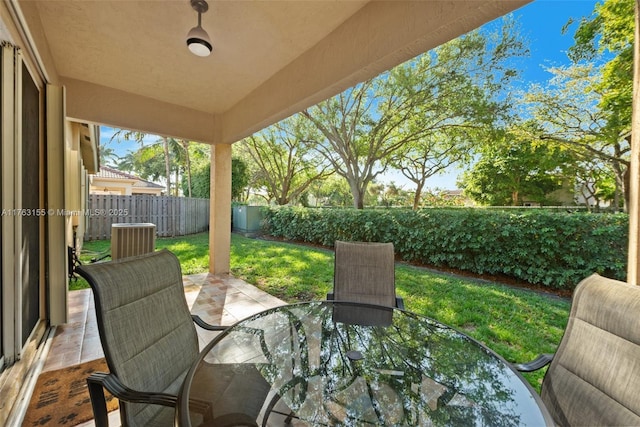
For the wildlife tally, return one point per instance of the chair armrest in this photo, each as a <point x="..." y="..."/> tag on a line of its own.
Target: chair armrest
<point x="98" y="381"/>
<point x="204" y="325"/>
<point x="539" y="362"/>
<point x="122" y="392"/>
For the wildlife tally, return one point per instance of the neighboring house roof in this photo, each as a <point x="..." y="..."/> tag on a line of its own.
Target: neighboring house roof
<point x="108" y="176"/>
<point x="108" y="172"/>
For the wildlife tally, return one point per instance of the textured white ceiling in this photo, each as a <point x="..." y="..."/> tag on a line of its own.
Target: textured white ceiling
<point x="140" y="46"/>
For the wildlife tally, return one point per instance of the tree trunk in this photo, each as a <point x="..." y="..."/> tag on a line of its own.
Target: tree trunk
<point x="622" y="186"/>
<point x="175" y="192"/>
<point x="167" y="164"/>
<point x="358" y="198"/>
<point x="357" y="191"/>
<point x="358" y="201"/>
<point x="187" y="160"/>
<point x="417" y="196"/>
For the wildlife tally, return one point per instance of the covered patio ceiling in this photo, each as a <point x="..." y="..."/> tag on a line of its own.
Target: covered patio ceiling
<point x="126" y="64"/>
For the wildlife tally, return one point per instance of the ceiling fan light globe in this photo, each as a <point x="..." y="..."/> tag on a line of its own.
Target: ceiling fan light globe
<point x="199" y="42"/>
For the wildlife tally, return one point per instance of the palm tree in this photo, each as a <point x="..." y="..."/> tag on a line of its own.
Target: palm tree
<point x="107" y="154"/>
<point x="176" y="152"/>
<point x="127" y="162"/>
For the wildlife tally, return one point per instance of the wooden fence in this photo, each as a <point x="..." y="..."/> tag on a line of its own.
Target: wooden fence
<point x="173" y="216"/>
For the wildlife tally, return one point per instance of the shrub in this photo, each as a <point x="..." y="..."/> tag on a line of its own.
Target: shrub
<point x="553" y="249"/>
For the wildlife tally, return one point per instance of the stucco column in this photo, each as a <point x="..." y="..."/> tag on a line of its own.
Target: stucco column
<point x="220" y="209"/>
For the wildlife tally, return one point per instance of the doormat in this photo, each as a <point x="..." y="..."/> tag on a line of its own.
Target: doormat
<point x="61" y="397"/>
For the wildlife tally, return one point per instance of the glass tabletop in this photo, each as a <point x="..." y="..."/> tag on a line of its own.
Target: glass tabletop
<point x="337" y="363"/>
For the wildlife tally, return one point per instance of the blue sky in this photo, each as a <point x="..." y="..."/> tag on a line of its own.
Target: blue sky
<point x="541" y="22"/>
<point x="122" y="147"/>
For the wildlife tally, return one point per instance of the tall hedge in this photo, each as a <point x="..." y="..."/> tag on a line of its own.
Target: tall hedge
<point x="554" y="249"/>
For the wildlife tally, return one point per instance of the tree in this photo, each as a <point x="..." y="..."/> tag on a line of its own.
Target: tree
<point x="375" y="195"/>
<point x="139" y="161"/>
<point x="441" y="197"/>
<point x="394" y="195"/>
<point x="424" y="159"/>
<point x="167" y="163"/>
<point x="569" y="112"/>
<point x="239" y="177"/>
<point x="455" y="86"/>
<point x="607" y="37"/>
<point x="513" y="168"/>
<point x="184" y="158"/>
<point x="199" y="160"/>
<point x="201" y="181"/>
<point x="590" y="106"/>
<point x="149" y="162"/>
<point x="332" y="191"/>
<point x="127" y="162"/>
<point x="596" y="183"/>
<point x="201" y="178"/>
<point x="170" y="151"/>
<point x="107" y="154"/>
<point x="285" y="165"/>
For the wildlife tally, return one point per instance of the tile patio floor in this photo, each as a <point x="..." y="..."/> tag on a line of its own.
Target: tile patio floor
<point x="218" y="299"/>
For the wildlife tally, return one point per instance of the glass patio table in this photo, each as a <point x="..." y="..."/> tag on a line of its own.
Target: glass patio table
<point x="338" y="363"/>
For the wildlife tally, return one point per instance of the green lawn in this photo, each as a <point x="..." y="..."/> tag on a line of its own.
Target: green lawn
<point x="516" y="323"/>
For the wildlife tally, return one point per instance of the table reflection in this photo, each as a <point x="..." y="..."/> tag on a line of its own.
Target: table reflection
<point x="332" y="363"/>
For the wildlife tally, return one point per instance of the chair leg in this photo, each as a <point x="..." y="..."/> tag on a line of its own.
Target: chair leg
<point x="270" y="409"/>
<point x="98" y="402"/>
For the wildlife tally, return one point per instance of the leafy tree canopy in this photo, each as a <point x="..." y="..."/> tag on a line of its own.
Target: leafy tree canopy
<point x="201" y="178"/>
<point x="284" y="164"/>
<point x="441" y="96"/>
<point x="514" y="169"/>
<point x="607" y="37"/>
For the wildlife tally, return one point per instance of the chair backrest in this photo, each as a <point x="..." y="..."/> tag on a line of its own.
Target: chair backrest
<point x="365" y="272"/>
<point x="145" y="326"/>
<point x="594" y="378"/>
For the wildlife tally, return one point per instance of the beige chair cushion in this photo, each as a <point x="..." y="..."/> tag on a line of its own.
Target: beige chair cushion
<point x="594" y="378"/>
<point x="145" y="326"/>
<point x="365" y="272"/>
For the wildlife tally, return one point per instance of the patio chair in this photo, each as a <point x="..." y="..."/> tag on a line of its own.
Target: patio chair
<point x="594" y="377"/>
<point x="365" y="272"/>
<point x="150" y="342"/>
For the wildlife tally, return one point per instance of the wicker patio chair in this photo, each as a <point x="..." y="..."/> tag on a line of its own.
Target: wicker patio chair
<point x="150" y="342"/>
<point x="365" y="272"/>
<point x="594" y="377"/>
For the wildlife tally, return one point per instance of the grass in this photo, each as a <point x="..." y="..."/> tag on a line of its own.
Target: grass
<point x="193" y="252"/>
<point x="518" y="324"/>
